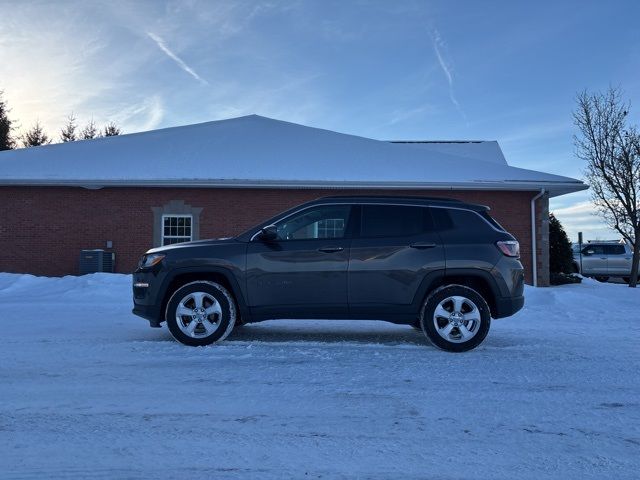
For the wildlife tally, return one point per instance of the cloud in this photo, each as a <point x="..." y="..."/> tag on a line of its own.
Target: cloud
<point x="162" y="46"/>
<point x="582" y="217"/>
<point x="145" y="115"/>
<point x="535" y="132"/>
<point x="401" y="115"/>
<point x="440" y="48"/>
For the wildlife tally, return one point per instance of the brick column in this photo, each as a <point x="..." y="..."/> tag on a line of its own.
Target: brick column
<point x="542" y="240"/>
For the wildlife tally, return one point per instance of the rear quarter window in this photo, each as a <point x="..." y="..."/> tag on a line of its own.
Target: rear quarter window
<point x="492" y="221"/>
<point x="466" y="220"/>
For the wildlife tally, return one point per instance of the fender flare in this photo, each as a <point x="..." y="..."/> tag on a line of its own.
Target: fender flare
<point x="206" y="269"/>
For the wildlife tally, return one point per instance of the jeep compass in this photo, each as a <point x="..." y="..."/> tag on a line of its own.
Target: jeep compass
<point x="442" y="266"/>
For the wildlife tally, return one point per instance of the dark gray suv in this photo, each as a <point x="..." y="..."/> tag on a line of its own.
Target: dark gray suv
<point x="443" y="266"/>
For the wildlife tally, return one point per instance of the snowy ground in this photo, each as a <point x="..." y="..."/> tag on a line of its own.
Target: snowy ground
<point x="87" y="390"/>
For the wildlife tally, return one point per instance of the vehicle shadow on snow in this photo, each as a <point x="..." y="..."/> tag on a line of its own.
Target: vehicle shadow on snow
<point x="394" y="335"/>
<point x="329" y="334"/>
<point x="337" y="333"/>
<point x="275" y="333"/>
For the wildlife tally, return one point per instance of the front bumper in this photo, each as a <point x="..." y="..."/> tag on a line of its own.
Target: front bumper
<point x="148" y="312"/>
<point x="147" y="299"/>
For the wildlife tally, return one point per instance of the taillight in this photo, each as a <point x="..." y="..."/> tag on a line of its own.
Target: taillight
<point x="510" y="248"/>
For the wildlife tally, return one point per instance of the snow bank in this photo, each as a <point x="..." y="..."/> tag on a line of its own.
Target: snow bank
<point x="89" y="390"/>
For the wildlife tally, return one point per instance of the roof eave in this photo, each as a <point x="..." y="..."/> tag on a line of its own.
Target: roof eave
<point x="553" y="188"/>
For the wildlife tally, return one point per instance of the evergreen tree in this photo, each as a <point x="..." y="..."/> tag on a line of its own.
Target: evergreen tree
<point x="35" y="137"/>
<point x="6" y="126"/>
<point x="68" y="132"/>
<point x="89" y="131"/>
<point x="560" y="254"/>
<point x="111" y="130"/>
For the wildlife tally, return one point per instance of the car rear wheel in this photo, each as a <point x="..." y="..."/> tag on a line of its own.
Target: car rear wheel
<point x="200" y="313"/>
<point x="455" y="318"/>
<point x="601" y="278"/>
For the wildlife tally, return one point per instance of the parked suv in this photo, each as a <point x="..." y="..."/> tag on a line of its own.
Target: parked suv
<point x="442" y="266"/>
<point x="603" y="259"/>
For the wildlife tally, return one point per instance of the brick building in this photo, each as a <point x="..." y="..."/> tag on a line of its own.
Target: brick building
<point x="131" y="192"/>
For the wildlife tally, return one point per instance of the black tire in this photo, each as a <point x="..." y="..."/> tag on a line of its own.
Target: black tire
<point x="221" y="321"/>
<point x="456" y="344"/>
<point x="626" y="279"/>
<point x="601" y="278"/>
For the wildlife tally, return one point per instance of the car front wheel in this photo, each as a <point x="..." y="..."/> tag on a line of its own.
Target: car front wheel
<point x="455" y="318"/>
<point x="200" y="313"/>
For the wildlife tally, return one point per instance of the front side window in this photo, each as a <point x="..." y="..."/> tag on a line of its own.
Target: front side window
<point x="393" y="221"/>
<point x="176" y="229"/>
<point x="594" y="249"/>
<point x="326" y="221"/>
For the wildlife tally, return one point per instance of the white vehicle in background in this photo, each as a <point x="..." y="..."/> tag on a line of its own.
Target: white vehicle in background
<point x="603" y="259"/>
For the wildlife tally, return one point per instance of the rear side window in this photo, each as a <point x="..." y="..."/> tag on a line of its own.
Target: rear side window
<point x="394" y="221"/>
<point x="442" y="219"/>
<point x="614" y="249"/>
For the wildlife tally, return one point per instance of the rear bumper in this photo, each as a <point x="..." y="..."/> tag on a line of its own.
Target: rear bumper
<point x="507" y="306"/>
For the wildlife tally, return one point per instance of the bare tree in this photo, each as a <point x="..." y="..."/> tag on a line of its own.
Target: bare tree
<point x="611" y="149"/>
<point x="68" y="132"/>
<point x="35" y="137"/>
<point x="111" y="130"/>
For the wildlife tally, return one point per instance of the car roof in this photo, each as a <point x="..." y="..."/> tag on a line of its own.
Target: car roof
<point x="604" y="242"/>
<point x="401" y="200"/>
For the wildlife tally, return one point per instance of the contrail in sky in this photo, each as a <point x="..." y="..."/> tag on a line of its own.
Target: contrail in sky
<point x="162" y="46"/>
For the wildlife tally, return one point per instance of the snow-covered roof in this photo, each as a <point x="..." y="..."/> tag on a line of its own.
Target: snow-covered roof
<point x="487" y="151"/>
<point x="255" y="151"/>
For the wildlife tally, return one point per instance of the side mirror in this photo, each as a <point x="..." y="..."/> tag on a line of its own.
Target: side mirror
<point x="268" y="233"/>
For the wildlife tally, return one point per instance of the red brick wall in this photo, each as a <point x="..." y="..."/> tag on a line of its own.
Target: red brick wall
<point x="43" y="229"/>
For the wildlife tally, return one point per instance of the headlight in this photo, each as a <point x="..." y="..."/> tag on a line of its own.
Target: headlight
<point x="148" y="261"/>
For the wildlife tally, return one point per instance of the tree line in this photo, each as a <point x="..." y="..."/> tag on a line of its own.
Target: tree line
<point x="37" y="135"/>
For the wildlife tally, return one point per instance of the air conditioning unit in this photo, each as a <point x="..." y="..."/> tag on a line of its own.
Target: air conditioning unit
<point x="92" y="261"/>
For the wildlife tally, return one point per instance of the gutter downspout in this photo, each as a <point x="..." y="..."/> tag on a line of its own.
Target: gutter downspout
<point x="534" y="246"/>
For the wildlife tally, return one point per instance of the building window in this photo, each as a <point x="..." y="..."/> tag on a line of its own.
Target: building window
<point x="176" y="229"/>
<point x="331" y="228"/>
<point x="175" y="209"/>
<point x="326" y="221"/>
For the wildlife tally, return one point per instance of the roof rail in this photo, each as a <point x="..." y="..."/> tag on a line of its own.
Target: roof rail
<point x="398" y="197"/>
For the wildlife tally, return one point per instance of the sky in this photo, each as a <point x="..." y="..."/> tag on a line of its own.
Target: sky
<point x="419" y="70"/>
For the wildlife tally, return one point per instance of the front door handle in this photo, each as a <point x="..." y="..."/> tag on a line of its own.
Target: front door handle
<point x="422" y="245"/>
<point x="330" y="249"/>
<point x="603" y="258"/>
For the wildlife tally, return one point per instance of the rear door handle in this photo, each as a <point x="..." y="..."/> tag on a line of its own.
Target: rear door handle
<point x="330" y="249"/>
<point x="422" y="245"/>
